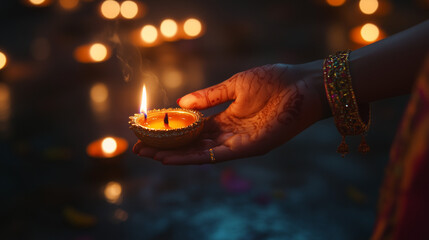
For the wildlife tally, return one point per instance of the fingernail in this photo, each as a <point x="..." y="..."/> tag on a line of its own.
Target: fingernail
<point x="178" y="100"/>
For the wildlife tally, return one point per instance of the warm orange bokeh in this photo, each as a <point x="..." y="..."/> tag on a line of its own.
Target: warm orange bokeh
<point x="335" y="3"/>
<point x="91" y="53"/>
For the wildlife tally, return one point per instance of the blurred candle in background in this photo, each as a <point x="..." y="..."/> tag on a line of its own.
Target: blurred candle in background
<point x="129" y="9"/>
<point x="98" y="52"/>
<point x="149" y="36"/>
<point x="113" y="192"/>
<point x="192" y="28"/>
<point x="92" y="53"/>
<point x="38" y="3"/>
<point x="368" y="6"/>
<point x="168" y="29"/>
<point x="3" y="60"/>
<point x="370" y="32"/>
<point x="68" y="4"/>
<point x="99" y="95"/>
<point x="366" y="34"/>
<point x="5" y="109"/>
<point x="108" y="147"/>
<point x="110" y="9"/>
<point x="335" y="3"/>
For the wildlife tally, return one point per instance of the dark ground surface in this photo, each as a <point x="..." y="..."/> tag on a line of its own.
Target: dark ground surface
<point x="301" y="190"/>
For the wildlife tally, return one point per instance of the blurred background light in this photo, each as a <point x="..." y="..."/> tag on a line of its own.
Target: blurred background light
<point x="335" y="3"/>
<point x="149" y="34"/>
<point x="3" y="60"/>
<point x="192" y="27"/>
<point x="68" y="4"/>
<point x="113" y="191"/>
<point x="4" y="102"/>
<point x="368" y="6"/>
<point x="38" y="2"/>
<point x="109" y="145"/>
<point x="99" y="93"/>
<point x="98" y="52"/>
<point x="172" y="78"/>
<point x="370" y="32"/>
<point x="95" y="52"/>
<point x="168" y="28"/>
<point x="110" y="9"/>
<point x="129" y="9"/>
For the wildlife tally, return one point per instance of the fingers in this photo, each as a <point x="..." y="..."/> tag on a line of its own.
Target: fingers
<point x="221" y="153"/>
<point x="199" y="155"/>
<point x="210" y="97"/>
<point x="137" y="146"/>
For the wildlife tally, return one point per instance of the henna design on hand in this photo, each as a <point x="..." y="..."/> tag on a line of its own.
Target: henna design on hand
<point x="216" y="95"/>
<point x="292" y="107"/>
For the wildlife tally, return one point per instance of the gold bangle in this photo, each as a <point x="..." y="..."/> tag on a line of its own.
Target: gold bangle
<point x="342" y="99"/>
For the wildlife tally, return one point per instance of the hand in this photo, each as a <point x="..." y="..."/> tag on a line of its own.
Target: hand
<point x="271" y="104"/>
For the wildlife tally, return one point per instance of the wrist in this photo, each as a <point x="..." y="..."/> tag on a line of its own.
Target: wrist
<point x="311" y="74"/>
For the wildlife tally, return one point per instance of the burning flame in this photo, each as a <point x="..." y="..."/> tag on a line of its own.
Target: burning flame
<point x="143" y="105"/>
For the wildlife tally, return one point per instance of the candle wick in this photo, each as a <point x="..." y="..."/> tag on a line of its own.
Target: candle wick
<point x="145" y="116"/>
<point x="166" y="119"/>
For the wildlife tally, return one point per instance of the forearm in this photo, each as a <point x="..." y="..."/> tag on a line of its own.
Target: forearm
<point x="389" y="67"/>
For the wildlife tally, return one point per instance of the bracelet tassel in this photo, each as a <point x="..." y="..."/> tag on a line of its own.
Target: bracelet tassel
<point x="343" y="148"/>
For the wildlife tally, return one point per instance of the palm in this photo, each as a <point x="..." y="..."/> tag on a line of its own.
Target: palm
<point x="265" y="113"/>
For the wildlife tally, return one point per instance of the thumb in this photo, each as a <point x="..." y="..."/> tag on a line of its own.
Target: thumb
<point x="209" y="97"/>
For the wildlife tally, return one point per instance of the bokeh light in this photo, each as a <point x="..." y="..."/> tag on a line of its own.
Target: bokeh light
<point x="129" y="9"/>
<point x="37" y="2"/>
<point x="192" y="27"/>
<point x="149" y="34"/>
<point x="109" y="145"/>
<point x="68" y="4"/>
<point x="168" y="28"/>
<point x="113" y="191"/>
<point x="3" y="60"/>
<point x="335" y="3"/>
<point x="370" y="32"/>
<point x="4" y="102"/>
<point x="368" y="6"/>
<point x="172" y="78"/>
<point x="110" y="9"/>
<point x="98" y="52"/>
<point x="99" y="93"/>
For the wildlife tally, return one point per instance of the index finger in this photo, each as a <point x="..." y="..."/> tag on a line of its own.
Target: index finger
<point x="211" y="96"/>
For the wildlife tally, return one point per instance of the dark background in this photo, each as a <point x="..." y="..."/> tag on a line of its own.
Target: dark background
<point x="50" y="187"/>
